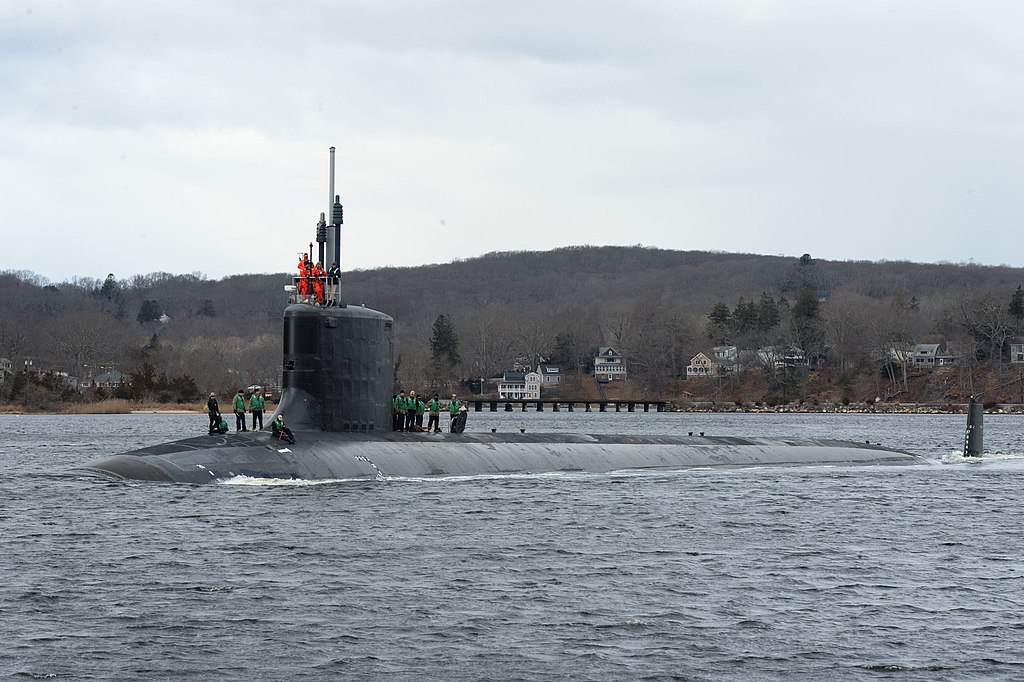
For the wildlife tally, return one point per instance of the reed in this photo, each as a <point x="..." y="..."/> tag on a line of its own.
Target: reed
<point x="101" y="407"/>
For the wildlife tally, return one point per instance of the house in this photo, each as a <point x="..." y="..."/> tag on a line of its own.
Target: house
<point x="725" y="354"/>
<point x="549" y="374"/>
<point x="1017" y="349"/>
<point x="781" y="356"/>
<point x="6" y="368"/>
<point x="519" y="386"/>
<point x="608" y="365"/>
<point x="703" y="364"/>
<point x="931" y="355"/>
<point x="111" y="379"/>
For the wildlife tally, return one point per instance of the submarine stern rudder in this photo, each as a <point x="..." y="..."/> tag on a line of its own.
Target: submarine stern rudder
<point x="973" y="437"/>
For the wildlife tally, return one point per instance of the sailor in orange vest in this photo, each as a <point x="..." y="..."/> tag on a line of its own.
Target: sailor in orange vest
<point x="318" y="281"/>
<point x="303" y="275"/>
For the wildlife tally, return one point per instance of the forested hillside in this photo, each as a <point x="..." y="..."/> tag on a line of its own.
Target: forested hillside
<point x="184" y="334"/>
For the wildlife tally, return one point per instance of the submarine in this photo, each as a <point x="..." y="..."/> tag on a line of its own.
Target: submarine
<point x="337" y="378"/>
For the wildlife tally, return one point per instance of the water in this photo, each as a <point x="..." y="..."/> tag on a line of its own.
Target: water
<point x="851" y="573"/>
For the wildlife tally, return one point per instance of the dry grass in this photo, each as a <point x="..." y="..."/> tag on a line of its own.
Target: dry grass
<point x="101" y="407"/>
<point x="106" y="407"/>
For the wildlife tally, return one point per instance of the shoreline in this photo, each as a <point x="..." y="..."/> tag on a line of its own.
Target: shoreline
<point x="691" y="408"/>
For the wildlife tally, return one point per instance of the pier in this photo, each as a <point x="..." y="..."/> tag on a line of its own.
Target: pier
<point x="567" y="405"/>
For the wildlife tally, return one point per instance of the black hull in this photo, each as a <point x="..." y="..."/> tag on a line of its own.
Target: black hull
<point x="327" y="456"/>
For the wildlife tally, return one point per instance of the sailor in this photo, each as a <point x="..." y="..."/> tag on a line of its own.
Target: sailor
<point x="434" y="408"/>
<point x="240" y="411"/>
<point x="333" y="278"/>
<point x="318" y="282"/>
<point x="213" y="409"/>
<point x="279" y="430"/>
<point x="303" y="281"/>
<point x="256" y="404"/>
<point x="420" y="409"/>
<point x="453" y="410"/>
<point x="402" y="407"/>
<point x="410" y="411"/>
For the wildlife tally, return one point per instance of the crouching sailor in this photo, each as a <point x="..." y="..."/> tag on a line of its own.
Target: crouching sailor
<point x="279" y="430"/>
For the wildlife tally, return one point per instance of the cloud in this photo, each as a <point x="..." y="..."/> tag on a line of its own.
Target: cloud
<point x="186" y="136"/>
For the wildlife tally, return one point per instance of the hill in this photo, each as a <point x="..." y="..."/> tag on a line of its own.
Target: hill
<point x="652" y="304"/>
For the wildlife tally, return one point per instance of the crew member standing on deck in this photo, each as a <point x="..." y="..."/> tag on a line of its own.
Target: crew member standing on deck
<point x="240" y="411"/>
<point x="402" y="407"/>
<point x="318" y="282"/>
<point x="410" y="415"/>
<point x="434" y="408"/>
<point x="333" y="278"/>
<point x="453" y="410"/>
<point x="213" y="409"/>
<point x="303" y="284"/>
<point x="256" y="404"/>
<point x="420" y="408"/>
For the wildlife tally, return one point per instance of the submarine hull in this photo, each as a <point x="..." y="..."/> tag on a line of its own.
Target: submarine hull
<point x="327" y="456"/>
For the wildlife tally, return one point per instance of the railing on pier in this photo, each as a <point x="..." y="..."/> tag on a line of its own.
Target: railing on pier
<point x="568" y="405"/>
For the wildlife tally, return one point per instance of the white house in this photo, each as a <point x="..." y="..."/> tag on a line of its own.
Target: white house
<point x="519" y="386"/>
<point x="727" y="356"/>
<point x="781" y="356"/>
<point x="608" y="365"/>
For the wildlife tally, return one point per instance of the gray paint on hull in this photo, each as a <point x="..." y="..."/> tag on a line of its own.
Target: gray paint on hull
<point x="319" y="455"/>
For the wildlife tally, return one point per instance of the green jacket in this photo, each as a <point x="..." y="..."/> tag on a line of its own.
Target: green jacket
<point x="420" y="406"/>
<point x="402" y="404"/>
<point x="453" y="406"/>
<point x="434" y="406"/>
<point x="239" y="403"/>
<point x="257" y="401"/>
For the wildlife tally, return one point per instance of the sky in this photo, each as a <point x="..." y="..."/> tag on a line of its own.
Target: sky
<point x="183" y="136"/>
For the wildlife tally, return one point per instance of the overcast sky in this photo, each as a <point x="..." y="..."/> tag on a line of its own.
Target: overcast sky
<point x="186" y="136"/>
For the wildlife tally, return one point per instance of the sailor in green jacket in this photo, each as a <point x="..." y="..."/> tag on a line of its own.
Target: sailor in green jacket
<point x="403" y="409"/>
<point x="410" y="408"/>
<point x="240" y="411"/>
<point x="453" y="410"/>
<point x="420" y="409"/>
<point x="434" y="408"/>
<point x="256" y="404"/>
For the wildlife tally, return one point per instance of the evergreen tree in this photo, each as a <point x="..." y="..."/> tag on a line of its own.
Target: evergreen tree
<point x="149" y="311"/>
<point x="768" y="315"/>
<point x="744" y="317"/>
<point x="807" y="325"/>
<point x="719" y="326"/>
<point x="568" y="352"/>
<point x="111" y="290"/>
<point x="1017" y="305"/>
<point x="444" y="342"/>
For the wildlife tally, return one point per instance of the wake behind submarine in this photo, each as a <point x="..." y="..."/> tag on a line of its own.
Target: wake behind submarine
<point x="336" y="390"/>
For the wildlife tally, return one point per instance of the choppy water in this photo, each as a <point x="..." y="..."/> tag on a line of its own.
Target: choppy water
<point x="909" y="573"/>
